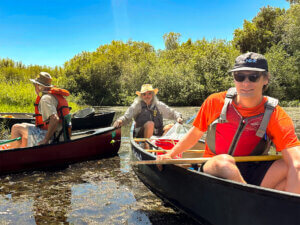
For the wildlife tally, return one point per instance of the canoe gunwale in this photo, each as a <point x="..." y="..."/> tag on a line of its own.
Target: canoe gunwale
<point x="96" y="132"/>
<point x="99" y="119"/>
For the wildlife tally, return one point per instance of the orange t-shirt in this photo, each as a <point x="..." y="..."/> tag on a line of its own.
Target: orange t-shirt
<point x="280" y="128"/>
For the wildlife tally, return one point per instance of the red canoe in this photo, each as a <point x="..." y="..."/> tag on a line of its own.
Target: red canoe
<point x="91" y="144"/>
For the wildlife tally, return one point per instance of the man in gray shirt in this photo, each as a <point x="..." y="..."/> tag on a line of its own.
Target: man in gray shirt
<point x="148" y="113"/>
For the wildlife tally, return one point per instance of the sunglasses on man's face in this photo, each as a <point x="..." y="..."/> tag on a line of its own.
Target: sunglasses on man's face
<point x="251" y="77"/>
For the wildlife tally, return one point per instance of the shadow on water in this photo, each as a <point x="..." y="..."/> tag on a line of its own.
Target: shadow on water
<point x="104" y="191"/>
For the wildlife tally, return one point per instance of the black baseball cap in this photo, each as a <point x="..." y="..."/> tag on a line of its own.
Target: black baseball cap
<point x="250" y="61"/>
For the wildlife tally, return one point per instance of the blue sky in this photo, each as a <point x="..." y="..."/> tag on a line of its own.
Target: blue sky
<point x="51" y="32"/>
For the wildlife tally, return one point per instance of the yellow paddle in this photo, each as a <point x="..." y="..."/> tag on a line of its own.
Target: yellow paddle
<point x="165" y="151"/>
<point x="202" y="160"/>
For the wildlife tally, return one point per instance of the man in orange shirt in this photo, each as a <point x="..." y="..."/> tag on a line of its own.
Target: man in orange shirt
<point x="243" y="122"/>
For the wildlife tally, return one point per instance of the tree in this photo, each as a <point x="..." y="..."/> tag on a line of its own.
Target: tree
<point x="258" y="35"/>
<point x="293" y="1"/>
<point x="111" y="74"/>
<point x="285" y="79"/>
<point x="290" y="32"/>
<point x="172" y="40"/>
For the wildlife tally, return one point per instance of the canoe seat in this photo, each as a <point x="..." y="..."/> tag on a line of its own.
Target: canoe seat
<point x="66" y="130"/>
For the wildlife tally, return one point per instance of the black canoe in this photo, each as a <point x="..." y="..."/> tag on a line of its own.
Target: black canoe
<point x="97" y="120"/>
<point x="90" y="144"/>
<point x="212" y="200"/>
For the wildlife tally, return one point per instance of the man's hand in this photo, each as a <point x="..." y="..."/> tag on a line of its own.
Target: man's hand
<point x="43" y="142"/>
<point x="180" y="120"/>
<point x="118" y="123"/>
<point x="164" y="156"/>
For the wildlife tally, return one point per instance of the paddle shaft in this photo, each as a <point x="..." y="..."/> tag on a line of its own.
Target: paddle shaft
<point x="203" y="159"/>
<point x="165" y="151"/>
<point x="191" y="118"/>
<point x="11" y="140"/>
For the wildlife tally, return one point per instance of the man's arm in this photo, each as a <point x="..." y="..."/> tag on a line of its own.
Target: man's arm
<point x="169" y="113"/>
<point x="188" y="141"/>
<point x="130" y="113"/>
<point x="53" y="123"/>
<point x="291" y="157"/>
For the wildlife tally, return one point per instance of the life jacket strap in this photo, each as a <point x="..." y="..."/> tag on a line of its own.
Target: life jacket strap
<point x="228" y="99"/>
<point x="269" y="106"/>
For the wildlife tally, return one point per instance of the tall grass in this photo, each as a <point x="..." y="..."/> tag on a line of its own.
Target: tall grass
<point x="16" y="96"/>
<point x="20" y="96"/>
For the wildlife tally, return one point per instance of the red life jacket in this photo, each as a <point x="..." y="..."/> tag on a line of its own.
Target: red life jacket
<point x="62" y="107"/>
<point x="234" y="135"/>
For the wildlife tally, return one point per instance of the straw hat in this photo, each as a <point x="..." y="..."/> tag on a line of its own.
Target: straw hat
<point x="43" y="79"/>
<point x="145" y="88"/>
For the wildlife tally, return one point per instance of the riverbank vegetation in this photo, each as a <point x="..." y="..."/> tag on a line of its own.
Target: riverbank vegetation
<point x="184" y="72"/>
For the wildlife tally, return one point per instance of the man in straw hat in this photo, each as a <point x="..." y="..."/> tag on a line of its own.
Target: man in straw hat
<point x="148" y="113"/>
<point x="51" y="108"/>
<point x="243" y="122"/>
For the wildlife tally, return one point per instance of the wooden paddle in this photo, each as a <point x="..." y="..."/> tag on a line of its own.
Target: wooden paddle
<point x="164" y="151"/>
<point x="202" y="160"/>
<point x="11" y="140"/>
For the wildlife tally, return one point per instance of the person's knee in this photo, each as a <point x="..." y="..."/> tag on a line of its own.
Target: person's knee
<point x="221" y="165"/>
<point x="149" y="125"/>
<point x="224" y="161"/>
<point x="19" y="126"/>
<point x="19" y="129"/>
<point x="16" y="128"/>
<point x="296" y="165"/>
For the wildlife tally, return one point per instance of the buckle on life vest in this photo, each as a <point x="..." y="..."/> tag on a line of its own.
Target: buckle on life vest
<point x="269" y="107"/>
<point x="231" y="93"/>
<point x="222" y="120"/>
<point x="260" y="133"/>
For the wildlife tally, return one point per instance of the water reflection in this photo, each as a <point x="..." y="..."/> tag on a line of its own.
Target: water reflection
<point x="104" y="191"/>
<point x="94" y="192"/>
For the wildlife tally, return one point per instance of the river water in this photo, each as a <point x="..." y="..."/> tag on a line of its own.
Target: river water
<point x="104" y="191"/>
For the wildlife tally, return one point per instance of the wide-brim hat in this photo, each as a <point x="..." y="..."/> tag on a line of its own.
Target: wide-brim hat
<point x="145" y="88"/>
<point x="43" y="79"/>
<point x="250" y="61"/>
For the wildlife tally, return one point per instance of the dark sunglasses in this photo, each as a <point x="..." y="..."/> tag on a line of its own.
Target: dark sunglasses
<point x="251" y="77"/>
